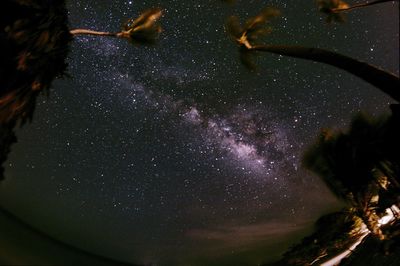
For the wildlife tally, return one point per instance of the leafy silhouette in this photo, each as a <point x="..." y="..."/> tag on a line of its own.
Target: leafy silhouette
<point x="359" y="165"/>
<point x="34" y="43"/>
<point x="246" y="37"/>
<point x="34" y="38"/>
<point x="334" y="232"/>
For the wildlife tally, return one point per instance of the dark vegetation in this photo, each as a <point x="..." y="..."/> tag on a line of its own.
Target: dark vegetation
<point x="361" y="166"/>
<point x="334" y="232"/>
<point x="372" y="251"/>
<point x="34" y="43"/>
<point x="34" y="38"/>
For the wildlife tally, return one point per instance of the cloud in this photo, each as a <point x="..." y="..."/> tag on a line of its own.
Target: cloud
<point x="241" y="237"/>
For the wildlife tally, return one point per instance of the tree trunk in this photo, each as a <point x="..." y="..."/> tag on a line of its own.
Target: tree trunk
<point x="366" y="211"/>
<point x="370" y="219"/>
<point x="383" y="80"/>
<point x="337" y="10"/>
<point x="92" y="32"/>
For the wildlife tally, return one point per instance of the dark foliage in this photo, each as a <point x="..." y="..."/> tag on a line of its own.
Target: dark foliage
<point x="334" y="232"/>
<point x="144" y="29"/>
<point x="250" y="32"/>
<point x="361" y="166"/>
<point x="350" y="162"/>
<point x="374" y="252"/>
<point x="34" y="40"/>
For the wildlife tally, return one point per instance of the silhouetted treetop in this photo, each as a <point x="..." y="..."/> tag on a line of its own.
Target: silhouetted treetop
<point x="361" y="166"/>
<point x="34" y="43"/>
<point x="252" y="29"/>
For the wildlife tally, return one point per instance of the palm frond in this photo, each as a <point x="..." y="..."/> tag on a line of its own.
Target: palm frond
<point x="247" y="59"/>
<point x="263" y="17"/>
<point x="328" y="8"/>
<point x="246" y="36"/>
<point x="144" y="29"/>
<point x="233" y="27"/>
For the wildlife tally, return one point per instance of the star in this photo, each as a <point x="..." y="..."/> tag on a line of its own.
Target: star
<point x="175" y="153"/>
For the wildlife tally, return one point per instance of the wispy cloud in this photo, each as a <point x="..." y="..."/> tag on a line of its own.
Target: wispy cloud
<point x="241" y="237"/>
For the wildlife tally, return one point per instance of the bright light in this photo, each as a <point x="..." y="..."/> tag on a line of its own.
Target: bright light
<point x="391" y="213"/>
<point x="389" y="216"/>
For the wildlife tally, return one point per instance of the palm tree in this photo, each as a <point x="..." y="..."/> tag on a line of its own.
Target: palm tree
<point x="42" y="46"/>
<point x="334" y="8"/>
<point x="360" y="166"/>
<point x="245" y="37"/>
<point x="143" y="30"/>
<point x="34" y="43"/>
<point x="333" y="233"/>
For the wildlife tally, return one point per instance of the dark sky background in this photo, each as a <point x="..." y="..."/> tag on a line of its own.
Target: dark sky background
<point x="176" y="154"/>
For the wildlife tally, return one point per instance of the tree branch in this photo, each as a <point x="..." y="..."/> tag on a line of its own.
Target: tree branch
<point x="383" y="80"/>
<point x="92" y="32"/>
<point x="337" y="10"/>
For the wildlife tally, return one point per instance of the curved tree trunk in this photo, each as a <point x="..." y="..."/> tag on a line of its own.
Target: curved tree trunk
<point x="92" y="32"/>
<point x="383" y="80"/>
<point x="370" y="219"/>
<point x="337" y="10"/>
<point x="365" y="209"/>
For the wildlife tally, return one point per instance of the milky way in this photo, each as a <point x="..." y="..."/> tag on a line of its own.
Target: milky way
<point x="176" y="153"/>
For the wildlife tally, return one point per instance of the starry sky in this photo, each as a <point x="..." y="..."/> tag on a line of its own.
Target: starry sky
<point x="176" y="154"/>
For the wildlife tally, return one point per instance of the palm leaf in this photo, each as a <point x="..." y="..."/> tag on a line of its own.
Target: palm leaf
<point x="327" y="7"/>
<point x="233" y="27"/>
<point x="247" y="59"/>
<point x="263" y="17"/>
<point x="144" y="29"/>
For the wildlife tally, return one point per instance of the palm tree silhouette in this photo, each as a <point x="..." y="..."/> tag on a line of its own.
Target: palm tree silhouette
<point x="246" y="36"/>
<point x="143" y="30"/>
<point x="34" y="42"/>
<point x="360" y="166"/>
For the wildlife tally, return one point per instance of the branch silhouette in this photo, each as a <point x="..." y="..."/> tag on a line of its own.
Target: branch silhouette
<point x="334" y="8"/>
<point x="246" y="36"/>
<point x="385" y="81"/>
<point x="143" y="30"/>
<point x="356" y="6"/>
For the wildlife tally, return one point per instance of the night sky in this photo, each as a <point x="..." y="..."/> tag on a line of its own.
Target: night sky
<point x="177" y="154"/>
